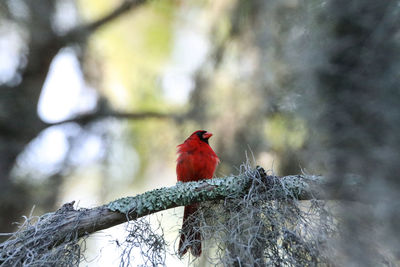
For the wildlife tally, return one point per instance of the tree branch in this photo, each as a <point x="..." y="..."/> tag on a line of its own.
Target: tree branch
<point x="120" y="10"/>
<point x="83" y="31"/>
<point x="90" y="117"/>
<point x="58" y="227"/>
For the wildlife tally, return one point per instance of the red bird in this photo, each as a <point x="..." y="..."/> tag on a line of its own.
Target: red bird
<point x="196" y="161"/>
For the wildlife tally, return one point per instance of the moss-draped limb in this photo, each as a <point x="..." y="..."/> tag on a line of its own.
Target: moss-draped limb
<point x="67" y="224"/>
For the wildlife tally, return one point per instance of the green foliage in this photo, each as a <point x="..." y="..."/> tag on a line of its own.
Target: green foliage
<point x="134" y="50"/>
<point x="285" y="131"/>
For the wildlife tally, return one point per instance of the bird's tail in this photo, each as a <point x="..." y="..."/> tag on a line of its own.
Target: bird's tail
<point x="190" y="233"/>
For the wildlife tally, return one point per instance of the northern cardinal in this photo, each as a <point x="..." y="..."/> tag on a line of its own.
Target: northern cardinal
<point x="196" y="161"/>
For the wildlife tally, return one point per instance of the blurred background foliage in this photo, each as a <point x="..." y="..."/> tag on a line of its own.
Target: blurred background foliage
<point x="248" y="71"/>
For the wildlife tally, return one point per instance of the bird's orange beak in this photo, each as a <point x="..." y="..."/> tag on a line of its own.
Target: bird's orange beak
<point x="207" y="135"/>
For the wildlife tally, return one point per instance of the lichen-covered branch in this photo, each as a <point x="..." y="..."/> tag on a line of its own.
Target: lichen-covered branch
<point x="68" y="224"/>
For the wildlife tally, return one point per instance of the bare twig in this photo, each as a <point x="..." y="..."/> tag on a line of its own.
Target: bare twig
<point x="83" y="31"/>
<point x="90" y="117"/>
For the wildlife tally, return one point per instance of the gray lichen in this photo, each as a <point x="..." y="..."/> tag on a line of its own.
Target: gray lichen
<point x="298" y="187"/>
<point x="181" y="194"/>
<point x="56" y="235"/>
